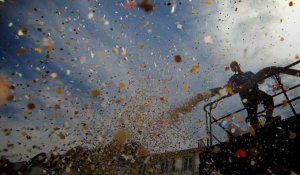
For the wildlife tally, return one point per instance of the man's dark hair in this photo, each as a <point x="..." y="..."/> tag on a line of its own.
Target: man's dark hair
<point x="234" y="63"/>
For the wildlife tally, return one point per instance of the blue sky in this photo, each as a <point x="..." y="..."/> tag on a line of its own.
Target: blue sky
<point x="100" y="45"/>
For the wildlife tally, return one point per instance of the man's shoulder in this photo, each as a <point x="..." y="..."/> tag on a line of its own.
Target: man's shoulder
<point x="233" y="77"/>
<point x="249" y="73"/>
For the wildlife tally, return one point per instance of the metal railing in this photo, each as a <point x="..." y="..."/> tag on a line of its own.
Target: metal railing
<point x="272" y="71"/>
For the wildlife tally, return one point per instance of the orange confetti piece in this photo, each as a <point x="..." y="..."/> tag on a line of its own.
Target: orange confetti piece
<point x="285" y="103"/>
<point x="195" y="69"/>
<point x="208" y="2"/>
<point x="141" y="47"/>
<point x="58" y="91"/>
<point x="67" y="43"/>
<point x="121" y="136"/>
<point x="21" y="51"/>
<point x="115" y="50"/>
<point x="95" y="93"/>
<point x="4" y="90"/>
<point x="30" y="106"/>
<point x="48" y="44"/>
<point x="61" y="136"/>
<point x="121" y="85"/>
<point x="177" y="58"/>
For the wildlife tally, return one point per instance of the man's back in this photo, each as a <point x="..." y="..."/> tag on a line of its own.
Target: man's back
<point x="241" y="78"/>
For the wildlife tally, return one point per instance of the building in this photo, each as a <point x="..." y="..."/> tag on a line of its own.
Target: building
<point x="183" y="162"/>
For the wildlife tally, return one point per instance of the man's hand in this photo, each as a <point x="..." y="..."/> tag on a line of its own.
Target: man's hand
<point x="228" y="88"/>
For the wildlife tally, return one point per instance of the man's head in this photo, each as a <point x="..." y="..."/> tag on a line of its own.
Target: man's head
<point x="235" y="66"/>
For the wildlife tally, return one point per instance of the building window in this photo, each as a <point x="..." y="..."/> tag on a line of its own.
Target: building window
<point x="188" y="163"/>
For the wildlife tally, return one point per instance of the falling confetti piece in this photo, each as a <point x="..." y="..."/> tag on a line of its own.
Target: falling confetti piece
<point x="90" y="15"/>
<point x="141" y="47"/>
<point x="95" y="93"/>
<point x="195" y="69"/>
<point x="31" y="106"/>
<point x="61" y="136"/>
<point x="22" y="32"/>
<point x="208" y="2"/>
<point x="48" y="44"/>
<point x="38" y="50"/>
<point x="68" y="72"/>
<point x="146" y="6"/>
<point x="53" y="75"/>
<point x="173" y="7"/>
<point x="240" y="153"/>
<point x="58" y="91"/>
<point x="129" y="4"/>
<point x="121" y="85"/>
<point x="194" y="12"/>
<point x="285" y="103"/>
<point x="107" y="84"/>
<point x="121" y="136"/>
<point x="208" y="39"/>
<point x="115" y="50"/>
<point x="21" y="51"/>
<point x="297" y="57"/>
<point x="291" y="3"/>
<point x="177" y="58"/>
<point x="185" y="87"/>
<point x="4" y="90"/>
<point x="163" y="99"/>
<point x="179" y="26"/>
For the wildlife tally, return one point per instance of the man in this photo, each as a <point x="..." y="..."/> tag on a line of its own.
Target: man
<point x="250" y="97"/>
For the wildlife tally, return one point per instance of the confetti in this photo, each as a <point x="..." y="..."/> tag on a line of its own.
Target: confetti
<point x="208" y="2"/>
<point x="185" y="87"/>
<point x="195" y="69"/>
<point x="141" y="47"/>
<point x="121" y="136"/>
<point x="121" y="85"/>
<point x="48" y="44"/>
<point x="95" y="93"/>
<point x="90" y="15"/>
<point x="146" y="6"/>
<point x="38" y="50"/>
<point x="177" y="58"/>
<point x="58" y="91"/>
<point x="285" y="103"/>
<point x="4" y="90"/>
<point x="22" y="31"/>
<point x="130" y="4"/>
<point x="240" y="153"/>
<point x="115" y="50"/>
<point x="208" y="39"/>
<point x="31" y="106"/>
<point x="21" y="51"/>
<point x="61" y="136"/>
